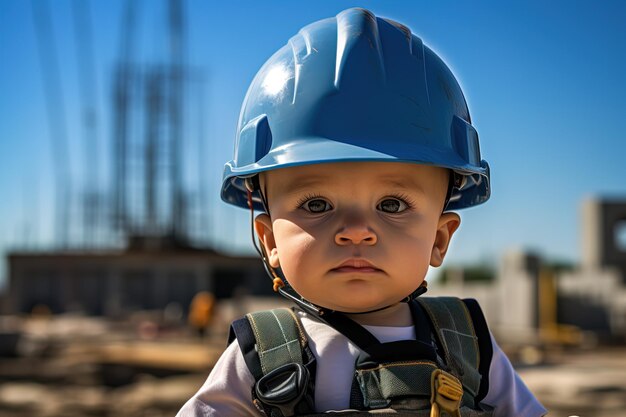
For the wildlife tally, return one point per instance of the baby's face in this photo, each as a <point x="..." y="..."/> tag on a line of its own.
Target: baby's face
<point x="356" y="236"/>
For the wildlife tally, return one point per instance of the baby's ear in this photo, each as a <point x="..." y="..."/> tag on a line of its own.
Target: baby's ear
<point x="263" y="228"/>
<point x="448" y="224"/>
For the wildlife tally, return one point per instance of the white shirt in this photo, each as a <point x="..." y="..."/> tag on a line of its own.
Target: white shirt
<point x="227" y="390"/>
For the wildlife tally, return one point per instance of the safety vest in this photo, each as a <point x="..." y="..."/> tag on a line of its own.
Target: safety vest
<point x="443" y="372"/>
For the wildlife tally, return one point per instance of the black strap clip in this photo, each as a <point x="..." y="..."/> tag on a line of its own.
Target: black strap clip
<point x="283" y="388"/>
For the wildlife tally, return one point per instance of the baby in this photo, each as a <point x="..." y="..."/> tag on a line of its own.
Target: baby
<point x="355" y="143"/>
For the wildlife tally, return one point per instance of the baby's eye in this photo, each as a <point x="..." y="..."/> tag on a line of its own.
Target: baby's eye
<point x="392" y="205"/>
<point x="316" y="205"/>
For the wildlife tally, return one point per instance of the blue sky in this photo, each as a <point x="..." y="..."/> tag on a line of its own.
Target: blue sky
<point x="544" y="81"/>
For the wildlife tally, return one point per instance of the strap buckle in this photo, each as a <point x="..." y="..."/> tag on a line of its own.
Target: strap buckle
<point x="446" y="394"/>
<point x="283" y="388"/>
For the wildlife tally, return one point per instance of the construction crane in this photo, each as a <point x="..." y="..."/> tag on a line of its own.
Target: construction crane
<point x="150" y="202"/>
<point x="91" y="190"/>
<point x="55" y="106"/>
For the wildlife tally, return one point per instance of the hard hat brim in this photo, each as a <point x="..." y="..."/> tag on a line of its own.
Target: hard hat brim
<point x="317" y="150"/>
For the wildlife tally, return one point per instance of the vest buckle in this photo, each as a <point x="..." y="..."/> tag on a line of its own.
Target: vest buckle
<point x="446" y="394"/>
<point x="283" y="388"/>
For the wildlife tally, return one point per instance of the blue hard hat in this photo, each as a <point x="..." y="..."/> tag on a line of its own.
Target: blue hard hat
<point x="356" y="87"/>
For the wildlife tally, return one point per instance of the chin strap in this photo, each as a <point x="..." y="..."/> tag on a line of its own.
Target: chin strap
<point x="419" y="291"/>
<point x="281" y="286"/>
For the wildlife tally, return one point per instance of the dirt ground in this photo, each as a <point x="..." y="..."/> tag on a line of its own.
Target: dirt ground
<point x="581" y="383"/>
<point x="81" y="367"/>
<point x="587" y="384"/>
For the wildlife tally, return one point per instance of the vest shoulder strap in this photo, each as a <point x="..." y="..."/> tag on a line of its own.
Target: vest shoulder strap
<point x="462" y="332"/>
<point x="484" y="344"/>
<point x="275" y="349"/>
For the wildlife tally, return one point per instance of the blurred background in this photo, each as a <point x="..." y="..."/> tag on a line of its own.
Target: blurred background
<point x="121" y="269"/>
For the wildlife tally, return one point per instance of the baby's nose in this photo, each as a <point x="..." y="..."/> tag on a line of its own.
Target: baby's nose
<point x="355" y="235"/>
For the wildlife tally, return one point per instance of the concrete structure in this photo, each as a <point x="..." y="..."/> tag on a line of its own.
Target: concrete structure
<point x="604" y="235"/>
<point x="593" y="297"/>
<point x="517" y="289"/>
<point x="510" y="302"/>
<point x="113" y="283"/>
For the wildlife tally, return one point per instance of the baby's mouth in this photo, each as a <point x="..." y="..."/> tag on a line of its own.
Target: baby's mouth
<point x="356" y="265"/>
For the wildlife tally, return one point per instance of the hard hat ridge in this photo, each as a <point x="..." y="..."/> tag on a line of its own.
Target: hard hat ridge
<point x="359" y="47"/>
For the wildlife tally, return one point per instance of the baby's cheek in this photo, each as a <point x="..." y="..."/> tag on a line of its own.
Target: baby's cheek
<point x="290" y="262"/>
<point x="298" y="269"/>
